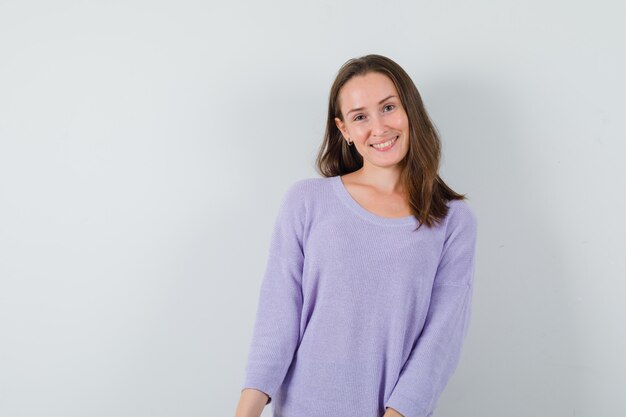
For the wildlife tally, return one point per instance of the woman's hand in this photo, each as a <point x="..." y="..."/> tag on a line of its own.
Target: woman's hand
<point x="390" y="412"/>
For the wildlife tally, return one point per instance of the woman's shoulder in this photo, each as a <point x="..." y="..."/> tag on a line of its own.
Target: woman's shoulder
<point x="461" y="214"/>
<point x="303" y="192"/>
<point x="309" y="183"/>
<point x="306" y="186"/>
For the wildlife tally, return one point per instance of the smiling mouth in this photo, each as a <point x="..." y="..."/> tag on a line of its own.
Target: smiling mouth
<point x="385" y="145"/>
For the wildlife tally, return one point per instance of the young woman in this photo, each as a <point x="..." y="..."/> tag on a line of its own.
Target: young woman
<point x="365" y="301"/>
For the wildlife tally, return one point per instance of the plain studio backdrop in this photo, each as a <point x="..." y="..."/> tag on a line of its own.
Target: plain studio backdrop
<point x="145" y="147"/>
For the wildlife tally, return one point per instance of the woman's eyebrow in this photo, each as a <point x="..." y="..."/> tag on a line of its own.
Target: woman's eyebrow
<point x="380" y="102"/>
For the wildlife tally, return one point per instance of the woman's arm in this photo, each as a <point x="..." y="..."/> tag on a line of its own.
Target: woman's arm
<point x="276" y="330"/>
<point x="251" y="403"/>
<point x="437" y="352"/>
<point x="392" y="413"/>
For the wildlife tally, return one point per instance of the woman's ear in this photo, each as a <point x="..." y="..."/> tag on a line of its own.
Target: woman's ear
<point x="342" y="127"/>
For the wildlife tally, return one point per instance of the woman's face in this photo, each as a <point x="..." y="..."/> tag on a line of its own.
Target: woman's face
<point x="373" y="115"/>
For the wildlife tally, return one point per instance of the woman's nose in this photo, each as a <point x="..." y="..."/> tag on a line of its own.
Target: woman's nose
<point x="378" y="125"/>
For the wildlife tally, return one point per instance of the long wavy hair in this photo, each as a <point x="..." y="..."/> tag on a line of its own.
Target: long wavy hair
<point x="428" y="194"/>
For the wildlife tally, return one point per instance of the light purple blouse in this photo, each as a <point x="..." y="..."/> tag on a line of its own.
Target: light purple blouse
<point x="359" y="312"/>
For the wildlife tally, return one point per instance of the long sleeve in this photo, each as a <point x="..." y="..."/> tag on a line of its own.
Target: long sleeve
<point x="436" y="353"/>
<point x="277" y="326"/>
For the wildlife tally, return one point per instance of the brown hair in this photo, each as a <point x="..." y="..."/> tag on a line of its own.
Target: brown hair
<point x="427" y="192"/>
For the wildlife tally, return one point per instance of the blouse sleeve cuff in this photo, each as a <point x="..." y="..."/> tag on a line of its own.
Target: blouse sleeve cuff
<point x="406" y="406"/>
<point x="259" y="384"/>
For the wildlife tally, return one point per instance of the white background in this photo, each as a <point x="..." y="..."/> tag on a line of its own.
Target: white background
<point x="145" y="146"/>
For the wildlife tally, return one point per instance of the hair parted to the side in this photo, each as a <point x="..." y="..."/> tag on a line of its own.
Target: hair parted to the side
<point x="428" y="194"/>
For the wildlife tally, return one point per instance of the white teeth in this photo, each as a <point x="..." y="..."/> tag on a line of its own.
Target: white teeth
<point x="384" y="144"/>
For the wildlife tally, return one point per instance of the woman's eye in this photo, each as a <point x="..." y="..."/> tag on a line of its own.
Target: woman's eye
<point x="389" y="107"/>
<point x="358" y="117"/>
